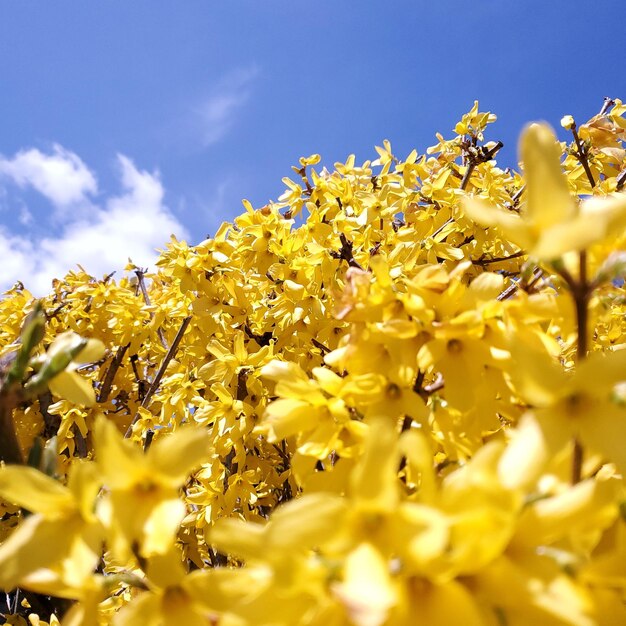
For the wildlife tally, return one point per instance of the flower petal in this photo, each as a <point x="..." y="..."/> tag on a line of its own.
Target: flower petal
<point x="35" y="491"/>
<point x="511" y="225"/>
<point x="73" y="387"/>
<point x="175" y="456"/>
<point x="548" y="200"/>
<point x="93" y="351"/>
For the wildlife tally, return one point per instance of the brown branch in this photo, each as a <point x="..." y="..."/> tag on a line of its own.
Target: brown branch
<point x="473" y="160"/>
<point x="115" y="364"/>
<point x="608" y="103"/>
<point x="345" y="253"/>
<point x="531" y="283"/>
<point x="283" y="455"/>
<point x="468" y="174"/>
<point x="407" y="422"/>
<point x="148" y="440"/>
<point x="581" y="294"/>
<point x="80" y="442"/>
<point x="582" y="156"/>
<point x="518" y="194"/>
<point x="511" y="289"/>
<point x="51" y="422"/>
<point x="10" y="451"/>
<point x="448" y="221"/>
<point x="146" y="298"/>
<point x="435" y="386"/>
<point x="419" y="381"/>
<point x="142" y="385"/>
<point x="320" y="345"/>
<point x="159" y="375"/>
<point x="242" y="384"/>
<point x="500" y="259"/>
<point x="581" y="289"/>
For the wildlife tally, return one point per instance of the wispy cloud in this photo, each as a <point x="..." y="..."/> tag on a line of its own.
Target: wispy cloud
<point x="218" y="112"/>
<point x="132" y="224"/>
<point x="62" y="177"/>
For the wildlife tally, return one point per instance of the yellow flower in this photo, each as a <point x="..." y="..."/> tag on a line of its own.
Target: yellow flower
<point x="580" y="404"/>
<point x="366" y="591"/>
<point x="62" y="522"/>
<point x="309" y="409"/>
<point x="551" y="222"/>
<point x="67" y="383"/>
<point x="176" y="597"/>
<point x="145" y="509"/>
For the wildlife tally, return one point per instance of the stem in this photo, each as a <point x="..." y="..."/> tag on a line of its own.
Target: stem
<point x="472" y="161"/>
<point x="10" y="451"/>
<point x="115" y="364"/>
<point x="499" y="259"/>
<point x="518" y="194"/>
<point x="608" y="103"/>
<point x="345" y="253"/>
<point x="318" y="344"/>
<point x="582" y="157"/>
<point x="468" y="174"/>
<point x="581" y="290"/>
<point x="513" y="287"/>
<point x="581" y="300"/>
<point x="146" y="298"/>
<point x="159" y="375"/>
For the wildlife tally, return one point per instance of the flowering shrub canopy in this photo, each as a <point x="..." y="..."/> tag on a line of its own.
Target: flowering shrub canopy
<point x="397" y="396"/>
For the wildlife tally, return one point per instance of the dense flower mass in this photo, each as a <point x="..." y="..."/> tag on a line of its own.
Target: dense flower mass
<point x="395" y="397"/>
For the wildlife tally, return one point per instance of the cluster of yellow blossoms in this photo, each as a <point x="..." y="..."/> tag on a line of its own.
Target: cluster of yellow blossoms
<point x="397" y="396"/>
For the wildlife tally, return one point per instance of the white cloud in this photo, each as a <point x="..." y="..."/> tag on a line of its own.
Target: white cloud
<point x="18" y="260"/>
<point x="217" y="113"/>
<point x="26" y="217"/>
<point x="101" y="240"/>
<point x="62" y="177"/>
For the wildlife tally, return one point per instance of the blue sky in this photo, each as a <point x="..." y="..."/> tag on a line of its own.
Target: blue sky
<point x="125" y="121"/>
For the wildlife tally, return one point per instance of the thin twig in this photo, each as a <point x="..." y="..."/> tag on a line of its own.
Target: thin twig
<point x="499" y="259"/>
<point x="107" y="383"/>
<point x="146" y="298"/>
<point x="511" y="289"/>
<point x="10" y="450"/>
<point x="79" y="441"/>
<point x="582" y="156"/>
<point x="533" y="281"/>
<point x="320" y="345"/>
<point x="448" y="221"/>
<point x="473" y="161"/>
<point x="407" y="422"/>
<point x="608" y="103"/>
<point x="468" y="174"/>
<point x="345" y="253"/>
<point x="581" y="292"/>
<point x="142" y="385"/>
<point x="159" y="375"/>
<point x="51" y="422"/>
<point x="242" y="383"/>
<point x="581" y="301"/>
<point x="437" y="385"/>
<point x="518" y="194"/>
<point x="419" y="381"/>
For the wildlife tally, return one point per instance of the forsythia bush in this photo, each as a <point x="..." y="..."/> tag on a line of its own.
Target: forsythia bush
<point x="397" y="396"/>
